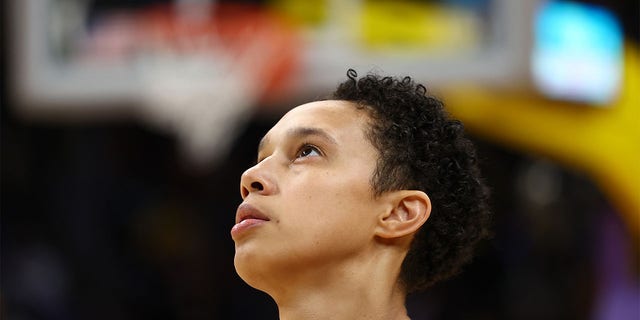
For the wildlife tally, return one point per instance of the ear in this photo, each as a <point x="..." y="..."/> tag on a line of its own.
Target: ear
<point x="409" y="211"/>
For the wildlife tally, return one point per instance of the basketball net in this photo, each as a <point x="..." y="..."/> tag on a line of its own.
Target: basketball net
<point x="205" y="88"/>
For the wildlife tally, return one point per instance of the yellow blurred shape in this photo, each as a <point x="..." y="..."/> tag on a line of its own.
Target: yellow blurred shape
<point x="604" y="141"/>
<point x="308" y="12"/>
<point x="412" y="24"/>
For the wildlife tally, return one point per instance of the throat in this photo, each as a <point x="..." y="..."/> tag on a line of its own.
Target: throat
<point x="344" y="302"/>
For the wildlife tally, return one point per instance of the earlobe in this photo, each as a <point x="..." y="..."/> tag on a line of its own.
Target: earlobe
<point x="410" y="210"/>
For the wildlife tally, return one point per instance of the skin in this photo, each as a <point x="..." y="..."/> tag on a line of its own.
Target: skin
<point x="330" y="249"/>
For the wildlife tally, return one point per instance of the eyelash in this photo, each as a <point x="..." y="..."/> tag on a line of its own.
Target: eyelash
<point x="306" y="146"/>
<point x="302" y="147"/>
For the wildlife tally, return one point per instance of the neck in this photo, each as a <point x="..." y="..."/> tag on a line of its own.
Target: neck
<point x="344" y="305"/>
<point x="352" y="290"/>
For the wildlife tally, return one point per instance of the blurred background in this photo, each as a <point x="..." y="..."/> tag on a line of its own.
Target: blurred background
<point x="125" y="126"/>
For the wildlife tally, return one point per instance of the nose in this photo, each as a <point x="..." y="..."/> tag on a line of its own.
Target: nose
<point x="256" y="180"/>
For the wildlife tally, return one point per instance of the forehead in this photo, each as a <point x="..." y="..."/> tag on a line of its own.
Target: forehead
<point x="337" y="112"/>
<point x="335" y="117"/>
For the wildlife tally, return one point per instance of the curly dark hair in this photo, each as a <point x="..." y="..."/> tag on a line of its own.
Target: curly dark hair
<point x="421" y="148"/>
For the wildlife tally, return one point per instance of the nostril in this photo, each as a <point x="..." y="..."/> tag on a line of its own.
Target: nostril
<point x="257" y="186"/>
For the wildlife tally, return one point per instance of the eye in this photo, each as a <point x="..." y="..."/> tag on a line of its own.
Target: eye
<point x="308" y="150"/>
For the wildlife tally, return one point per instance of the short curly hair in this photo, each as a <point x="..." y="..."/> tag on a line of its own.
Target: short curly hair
<point x="421" y="148"/>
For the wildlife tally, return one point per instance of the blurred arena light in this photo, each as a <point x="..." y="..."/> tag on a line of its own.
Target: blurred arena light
<point x="577" y="52"/>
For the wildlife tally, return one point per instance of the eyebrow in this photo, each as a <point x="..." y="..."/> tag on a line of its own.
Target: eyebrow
<point x="302" y="132"/>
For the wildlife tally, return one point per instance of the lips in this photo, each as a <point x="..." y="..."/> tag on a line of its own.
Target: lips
<point x="247" y="217"/>
<point x="247" y="211"/>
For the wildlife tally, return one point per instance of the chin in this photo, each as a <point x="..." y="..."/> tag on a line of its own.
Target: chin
<point x="251" y="268"/>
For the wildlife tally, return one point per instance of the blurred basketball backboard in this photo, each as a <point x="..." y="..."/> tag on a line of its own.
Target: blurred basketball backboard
<point x="188" y="64"/>
<point x="70" y="58"/>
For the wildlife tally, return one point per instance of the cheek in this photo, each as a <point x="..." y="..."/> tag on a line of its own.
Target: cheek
<point x="329" y="188"/>
<point x="330" y="201"/>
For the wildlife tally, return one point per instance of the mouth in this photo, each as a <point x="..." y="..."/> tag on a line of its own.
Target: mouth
<point x="246" y="211"/>
<point x="247" y="217"/>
